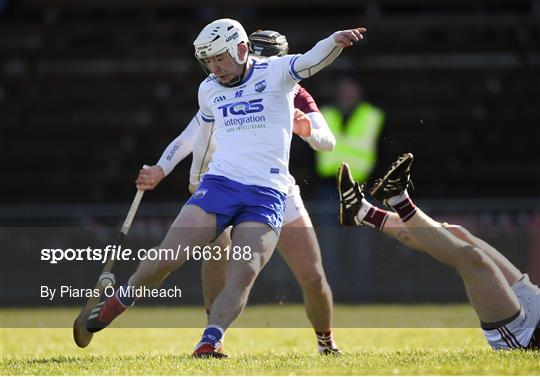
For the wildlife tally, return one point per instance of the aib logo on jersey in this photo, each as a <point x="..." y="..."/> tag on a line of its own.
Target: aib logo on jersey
<point x="243" y="107"/>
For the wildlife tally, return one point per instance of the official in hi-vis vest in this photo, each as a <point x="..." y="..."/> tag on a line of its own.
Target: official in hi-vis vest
<point x="356" y="125"/>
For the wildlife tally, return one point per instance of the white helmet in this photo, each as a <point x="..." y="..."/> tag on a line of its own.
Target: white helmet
<point x="220" y="36"/>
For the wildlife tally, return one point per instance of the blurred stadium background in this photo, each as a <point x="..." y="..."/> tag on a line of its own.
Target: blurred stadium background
<point x="91" y="90"/>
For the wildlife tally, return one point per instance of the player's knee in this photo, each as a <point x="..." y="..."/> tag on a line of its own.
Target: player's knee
<point x="245" y="278"/>
<point x="315" y="281"/>
<point x="458" y="231"/>
<point x="472" y="257"/>
<point x="315" y="284"/>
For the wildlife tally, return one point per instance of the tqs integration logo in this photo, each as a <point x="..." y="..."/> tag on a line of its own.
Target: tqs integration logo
<point x="242" y="108"/>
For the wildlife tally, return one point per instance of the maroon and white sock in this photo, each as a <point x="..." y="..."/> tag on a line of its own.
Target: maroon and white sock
<point x="371" y="215"/>
<point x="325" y="340"/>
<point x="403" y="206"/>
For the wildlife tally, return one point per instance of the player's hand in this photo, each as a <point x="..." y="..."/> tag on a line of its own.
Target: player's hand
<point x="301" y="123"/>
<point x="346" y="38"/>
<point x="149" y="178"/>
<point x="192" y="188"/>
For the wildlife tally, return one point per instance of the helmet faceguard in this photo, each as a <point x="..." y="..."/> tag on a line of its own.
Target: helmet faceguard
<point x="227" y="67"/>
<point x="219" y="37"/>
<point x="268" y="43"/>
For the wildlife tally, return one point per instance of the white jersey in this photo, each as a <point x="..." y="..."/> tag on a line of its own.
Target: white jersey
<point x="199" y="139"/>
<point x="247" y="104"/>
<point x="204" y="145"/>
<point x="253" y="123"/>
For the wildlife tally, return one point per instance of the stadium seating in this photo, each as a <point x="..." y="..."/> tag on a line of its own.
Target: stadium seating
<point x="90" y="91"/>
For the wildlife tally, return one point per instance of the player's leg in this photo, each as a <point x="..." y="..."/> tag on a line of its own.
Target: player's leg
<point x="252" y="246"/>
<point x="518" y="331"/>
<point x="510" y="272"/>
<point x="356" y="210"/>
<point x="213" y="274"/>
<point x="300" y="249"/>
<point x="256" y="225"/>
<point x="192" y="227"/>
<point x="510" y="313"/>
<point x="524" y="330"/>
<point x="487" y="288"/>
<point x="395" y="228"/>
<point x="213" y="271"/>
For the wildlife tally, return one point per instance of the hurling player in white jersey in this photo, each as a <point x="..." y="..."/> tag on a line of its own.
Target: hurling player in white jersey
<point x="297" y="242"/>
<point x="249" y="102"/>
<point x="505" y="301"/>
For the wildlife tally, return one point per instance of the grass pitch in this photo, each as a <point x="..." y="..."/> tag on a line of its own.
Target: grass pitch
<point x="256" y="351"/>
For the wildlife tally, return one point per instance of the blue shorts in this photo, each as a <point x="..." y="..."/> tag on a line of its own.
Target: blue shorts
<point x="234" y="203"/>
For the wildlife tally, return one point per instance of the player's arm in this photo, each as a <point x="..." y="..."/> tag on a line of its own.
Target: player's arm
<point x="203" y="142"/>
<point x="323" y="53"/>
<point x="175" y="152"/>
<point x="202" y="154"/>
<point x="313" y="129"/>
<point x="180" y="147"/>
<point x="319" y="137"/>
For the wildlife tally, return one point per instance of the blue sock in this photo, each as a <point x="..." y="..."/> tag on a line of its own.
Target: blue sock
<point x="123" y="294"/>
<point x="212" y="334"/>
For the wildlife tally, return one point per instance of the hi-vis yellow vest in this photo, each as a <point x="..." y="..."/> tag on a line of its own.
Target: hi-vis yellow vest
<point x="356" y="141"/>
